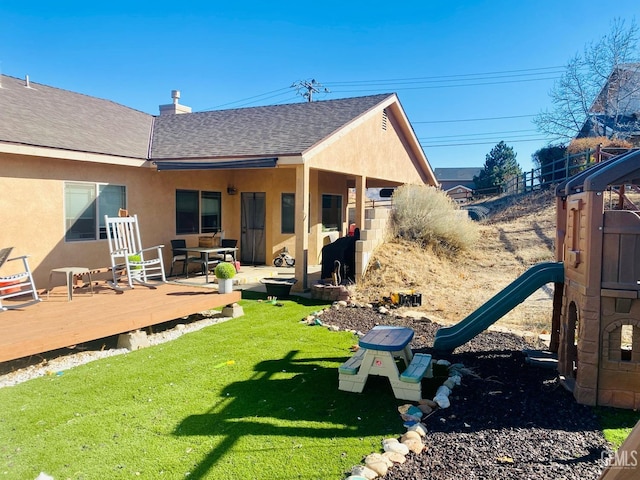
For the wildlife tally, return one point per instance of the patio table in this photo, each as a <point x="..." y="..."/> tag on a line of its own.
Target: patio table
<point x="206" y="251"/>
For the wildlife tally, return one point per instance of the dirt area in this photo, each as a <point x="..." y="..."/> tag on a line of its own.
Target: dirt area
<point x="516" y="235"/>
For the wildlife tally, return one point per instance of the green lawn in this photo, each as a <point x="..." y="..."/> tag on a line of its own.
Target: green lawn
<point x="254" y="397"/>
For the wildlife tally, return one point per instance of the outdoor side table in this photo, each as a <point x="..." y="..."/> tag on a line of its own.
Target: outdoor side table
<point x="69" y="273"/>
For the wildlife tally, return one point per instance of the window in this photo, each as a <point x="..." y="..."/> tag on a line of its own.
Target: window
<point x="331" y="213"/>
<point x="198" y="212"/>
<point x="288" y="213"/>
<point x="86" y="204"/>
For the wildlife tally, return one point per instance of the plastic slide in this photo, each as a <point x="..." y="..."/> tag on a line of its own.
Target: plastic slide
<point x="448" y="338"/>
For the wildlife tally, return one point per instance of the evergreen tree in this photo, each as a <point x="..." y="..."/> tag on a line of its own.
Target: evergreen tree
<point x="550" y="161"/>
<point x="500" y="165"/>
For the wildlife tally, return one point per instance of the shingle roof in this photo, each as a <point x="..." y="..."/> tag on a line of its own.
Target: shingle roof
<point x="258" y="131"/>
<point x="45" y="116"/>
<point x="456" y="174"/>
<point x="51" y="117"/>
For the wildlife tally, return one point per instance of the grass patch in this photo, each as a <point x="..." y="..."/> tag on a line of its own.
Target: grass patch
<point x="254" y="397"/>
<point x="616" y="424"/>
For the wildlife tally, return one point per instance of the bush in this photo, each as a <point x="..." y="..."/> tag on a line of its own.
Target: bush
<point x="429" y="216"/>
<point x="580" y="145"/>
<point x="225" y="270"/>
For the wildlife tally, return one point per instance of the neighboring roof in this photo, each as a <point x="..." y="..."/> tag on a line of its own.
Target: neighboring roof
<point x="464" y="187"/>
<point x="456" y="174"/>
<point x="617" y="106"/>
<point x="622" y="90"/>
<point x="39" y="115"/>
<point x="275" y="130"/>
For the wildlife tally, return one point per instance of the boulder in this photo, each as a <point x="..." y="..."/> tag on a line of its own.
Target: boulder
<point x="378" y="463"/>
<point x="392" y="445"/>
<point x="363" y="471"/>
<point x="396" y="457"/>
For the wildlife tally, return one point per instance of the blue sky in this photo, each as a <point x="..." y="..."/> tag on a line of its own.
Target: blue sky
<point x="468" y="74"/>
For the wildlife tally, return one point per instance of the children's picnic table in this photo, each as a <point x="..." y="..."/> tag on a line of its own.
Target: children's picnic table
<point x="377" y="354"/>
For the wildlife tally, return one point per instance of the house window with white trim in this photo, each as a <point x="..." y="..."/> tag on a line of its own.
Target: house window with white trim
<point x="198" y="212"/>
<point x="86" y="204"/>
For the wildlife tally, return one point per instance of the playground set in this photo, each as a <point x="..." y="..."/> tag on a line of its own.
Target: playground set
<point x="595" y="324"/>
<point x="596" y="307"/>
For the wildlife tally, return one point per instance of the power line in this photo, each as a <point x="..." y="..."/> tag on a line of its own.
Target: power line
<point x="478" y="134"/>
<point x="260" y="98"/>
<point x="475" y="119"/>
<point x="283" y="91"/>
<point x="451" y="86"/>
<point x="485" y="143"/>
<point x="436" y="77"/>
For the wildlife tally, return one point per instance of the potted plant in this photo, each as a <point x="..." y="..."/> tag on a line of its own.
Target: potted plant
<point x="225" y="272"/>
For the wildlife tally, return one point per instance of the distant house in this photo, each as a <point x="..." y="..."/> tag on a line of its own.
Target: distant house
<point x="271" y="177"/>
<point x="457" y="182"/>
<point x="616" y="110"/>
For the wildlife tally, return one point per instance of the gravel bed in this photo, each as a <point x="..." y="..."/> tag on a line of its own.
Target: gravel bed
<point x="507" y="420"/>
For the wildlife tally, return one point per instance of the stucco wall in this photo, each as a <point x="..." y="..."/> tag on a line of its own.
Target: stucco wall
<point x="32" y="198"/>
<point x="369" y="149"/>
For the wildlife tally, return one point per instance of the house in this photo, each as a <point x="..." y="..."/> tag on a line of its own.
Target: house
<point x="457" y="182"/>
<point x="615" y="113"/>
<point x="271" y="177"/>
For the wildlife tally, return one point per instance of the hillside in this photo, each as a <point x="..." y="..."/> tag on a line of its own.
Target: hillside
<point x="514" y="236"/>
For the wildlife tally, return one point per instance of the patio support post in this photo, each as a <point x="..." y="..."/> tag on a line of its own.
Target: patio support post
<point x="361" y="190"/>
<point x="302" y="226"/>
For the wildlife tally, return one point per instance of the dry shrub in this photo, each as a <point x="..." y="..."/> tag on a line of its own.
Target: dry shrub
<point x="430" y="217"/>
<point x="580" y="145"/>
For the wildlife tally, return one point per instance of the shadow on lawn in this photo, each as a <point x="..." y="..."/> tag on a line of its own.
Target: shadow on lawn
<point x="272" y="395"/>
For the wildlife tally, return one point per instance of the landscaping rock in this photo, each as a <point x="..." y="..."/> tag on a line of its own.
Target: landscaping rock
<point x="415" y="445"/>
<point x="392" y="445"/>
<point x="378" y="463"/>
<point x="419" y="428"/>
<point x="411" y="434"/>
<point x="396" y="457"/>
<point x="363" y="471"/>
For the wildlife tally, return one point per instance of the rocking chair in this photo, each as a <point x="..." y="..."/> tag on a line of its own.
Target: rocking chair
<point x="128" y="256"/>
<point x="18" y="283"/>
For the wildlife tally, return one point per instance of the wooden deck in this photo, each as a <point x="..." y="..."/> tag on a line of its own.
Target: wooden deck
<point x="56" y="323"/>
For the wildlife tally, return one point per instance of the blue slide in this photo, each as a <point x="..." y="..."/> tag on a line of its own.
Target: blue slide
<point x="448" y="338"/>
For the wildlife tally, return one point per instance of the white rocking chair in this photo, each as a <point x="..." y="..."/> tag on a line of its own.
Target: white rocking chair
<point x="128" y="256"/>
<point x="18" y="283"/>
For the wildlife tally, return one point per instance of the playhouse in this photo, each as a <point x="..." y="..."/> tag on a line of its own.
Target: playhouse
<point x="596" y="317"/>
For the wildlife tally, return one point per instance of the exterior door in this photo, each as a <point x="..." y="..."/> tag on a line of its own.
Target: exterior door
<point x="252" y="238"/>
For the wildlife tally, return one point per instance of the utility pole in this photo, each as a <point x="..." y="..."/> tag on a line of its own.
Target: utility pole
<point x="307" y="88"/>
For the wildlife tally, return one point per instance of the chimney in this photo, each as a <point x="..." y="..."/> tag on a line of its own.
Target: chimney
<point x="175" y="107"/>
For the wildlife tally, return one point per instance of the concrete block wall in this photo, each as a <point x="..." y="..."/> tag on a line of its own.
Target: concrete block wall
<point x="376" y="224"/>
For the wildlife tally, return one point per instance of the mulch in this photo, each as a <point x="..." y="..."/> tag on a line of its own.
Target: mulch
<point x="507" y="420"/>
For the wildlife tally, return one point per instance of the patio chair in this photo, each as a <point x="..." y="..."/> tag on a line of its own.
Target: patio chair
<point x="16" y="284"/>
<point x="182" y="256"/>
<point x="228" y="243"/>
<point x="128" y="256"/>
